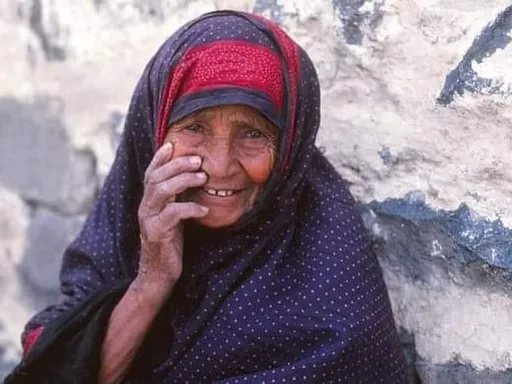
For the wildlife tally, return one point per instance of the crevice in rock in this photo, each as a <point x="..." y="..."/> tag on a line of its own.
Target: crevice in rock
<point x="353" y="18"/>
<point x="470" y="249"/>
<point x="409" y="347"/>
<point x="464" y="78"/>
<point x="460" y="373"/>
<point x="96" y="178"/>
<point x="51" y="51"/>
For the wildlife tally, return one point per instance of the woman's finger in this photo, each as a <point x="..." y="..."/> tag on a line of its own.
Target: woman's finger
<point x="158" y="195"/>
<point x="175" y="212"/>
<point x="172" y="168"/>
<point x="162" y="155"/>
<point x="157" y="228"/>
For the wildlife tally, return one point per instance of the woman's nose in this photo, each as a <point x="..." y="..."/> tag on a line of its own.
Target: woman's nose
<point x="219" y="160"/>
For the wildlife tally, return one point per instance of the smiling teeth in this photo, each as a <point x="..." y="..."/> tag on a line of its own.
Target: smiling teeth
<point x="222" y="193"/>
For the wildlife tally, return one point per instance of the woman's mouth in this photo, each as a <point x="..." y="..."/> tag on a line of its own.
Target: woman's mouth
<point x="220" y="192"/>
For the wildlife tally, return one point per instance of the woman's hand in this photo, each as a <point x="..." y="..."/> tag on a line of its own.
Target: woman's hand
<point x="160" y="219"/>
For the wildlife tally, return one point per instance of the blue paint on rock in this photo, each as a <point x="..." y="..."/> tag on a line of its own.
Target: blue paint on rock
<point x="387" y="157"/>
<point x="495" y="35"/>
<point x="487" y="240"/>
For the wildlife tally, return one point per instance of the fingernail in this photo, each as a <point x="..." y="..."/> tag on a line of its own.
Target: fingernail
<point x="201" y="175"/>
<point x="196" y="160"/>
<point x="167" y="146"/>
<point x="205" y="209"/>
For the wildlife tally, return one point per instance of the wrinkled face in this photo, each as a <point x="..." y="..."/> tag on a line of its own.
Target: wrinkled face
<point x="238" y="146"/>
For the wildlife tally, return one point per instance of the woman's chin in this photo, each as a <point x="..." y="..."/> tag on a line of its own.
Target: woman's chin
<point x="218" y="219"/>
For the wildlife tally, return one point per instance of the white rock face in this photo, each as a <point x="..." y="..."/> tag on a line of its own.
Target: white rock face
<point x="383" y="100"/>
<point x="13" y="239"/>
<point x="453" y="323"/>
<point x="68" y="69"/>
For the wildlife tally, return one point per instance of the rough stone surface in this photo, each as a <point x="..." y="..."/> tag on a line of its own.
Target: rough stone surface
<point x="453" y="303"/>
<point x="416" y="103"/>
<point x="39" y="160"/>
<point x="14" y="310"/>
<point x="476" y="238"/>
<point x="461" y="374"/>
<point x="495" y="36"/>
<point x="48" y="236"/>
<point x="356" y="14"/>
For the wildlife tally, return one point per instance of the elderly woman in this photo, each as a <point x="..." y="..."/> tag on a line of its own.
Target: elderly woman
<point x="224" y="248"/>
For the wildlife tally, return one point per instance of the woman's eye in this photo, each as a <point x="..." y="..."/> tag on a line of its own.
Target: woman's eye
<point x="194" y="128"/>
<point x="254" y="134"/>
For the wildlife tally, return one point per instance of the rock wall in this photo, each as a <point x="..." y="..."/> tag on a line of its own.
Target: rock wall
<point x="417" y="110"/>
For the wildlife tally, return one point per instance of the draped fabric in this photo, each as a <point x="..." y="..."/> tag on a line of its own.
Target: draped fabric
<point x="292" y="291"/>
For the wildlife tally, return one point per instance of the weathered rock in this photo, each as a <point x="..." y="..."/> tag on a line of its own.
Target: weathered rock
<point x="271" y="8"/>
<point x="49" y="234"/>
<point x="44" y="23"/>
<point x="6" y="365"/>
<point x="382" y="125"/>
<point x="14" y="311"/>
<point x="494" y="37"/>
<point x="39" y="160"/>
<point x="356" y="16"/>
<point x="461" y="374"/>
<point x="449" y="290"/>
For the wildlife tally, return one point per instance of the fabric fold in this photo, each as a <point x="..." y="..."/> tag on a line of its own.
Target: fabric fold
<point x="69" y="349"/>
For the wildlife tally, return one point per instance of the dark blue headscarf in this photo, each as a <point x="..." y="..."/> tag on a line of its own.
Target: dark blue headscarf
<point x="291" y="292"/>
